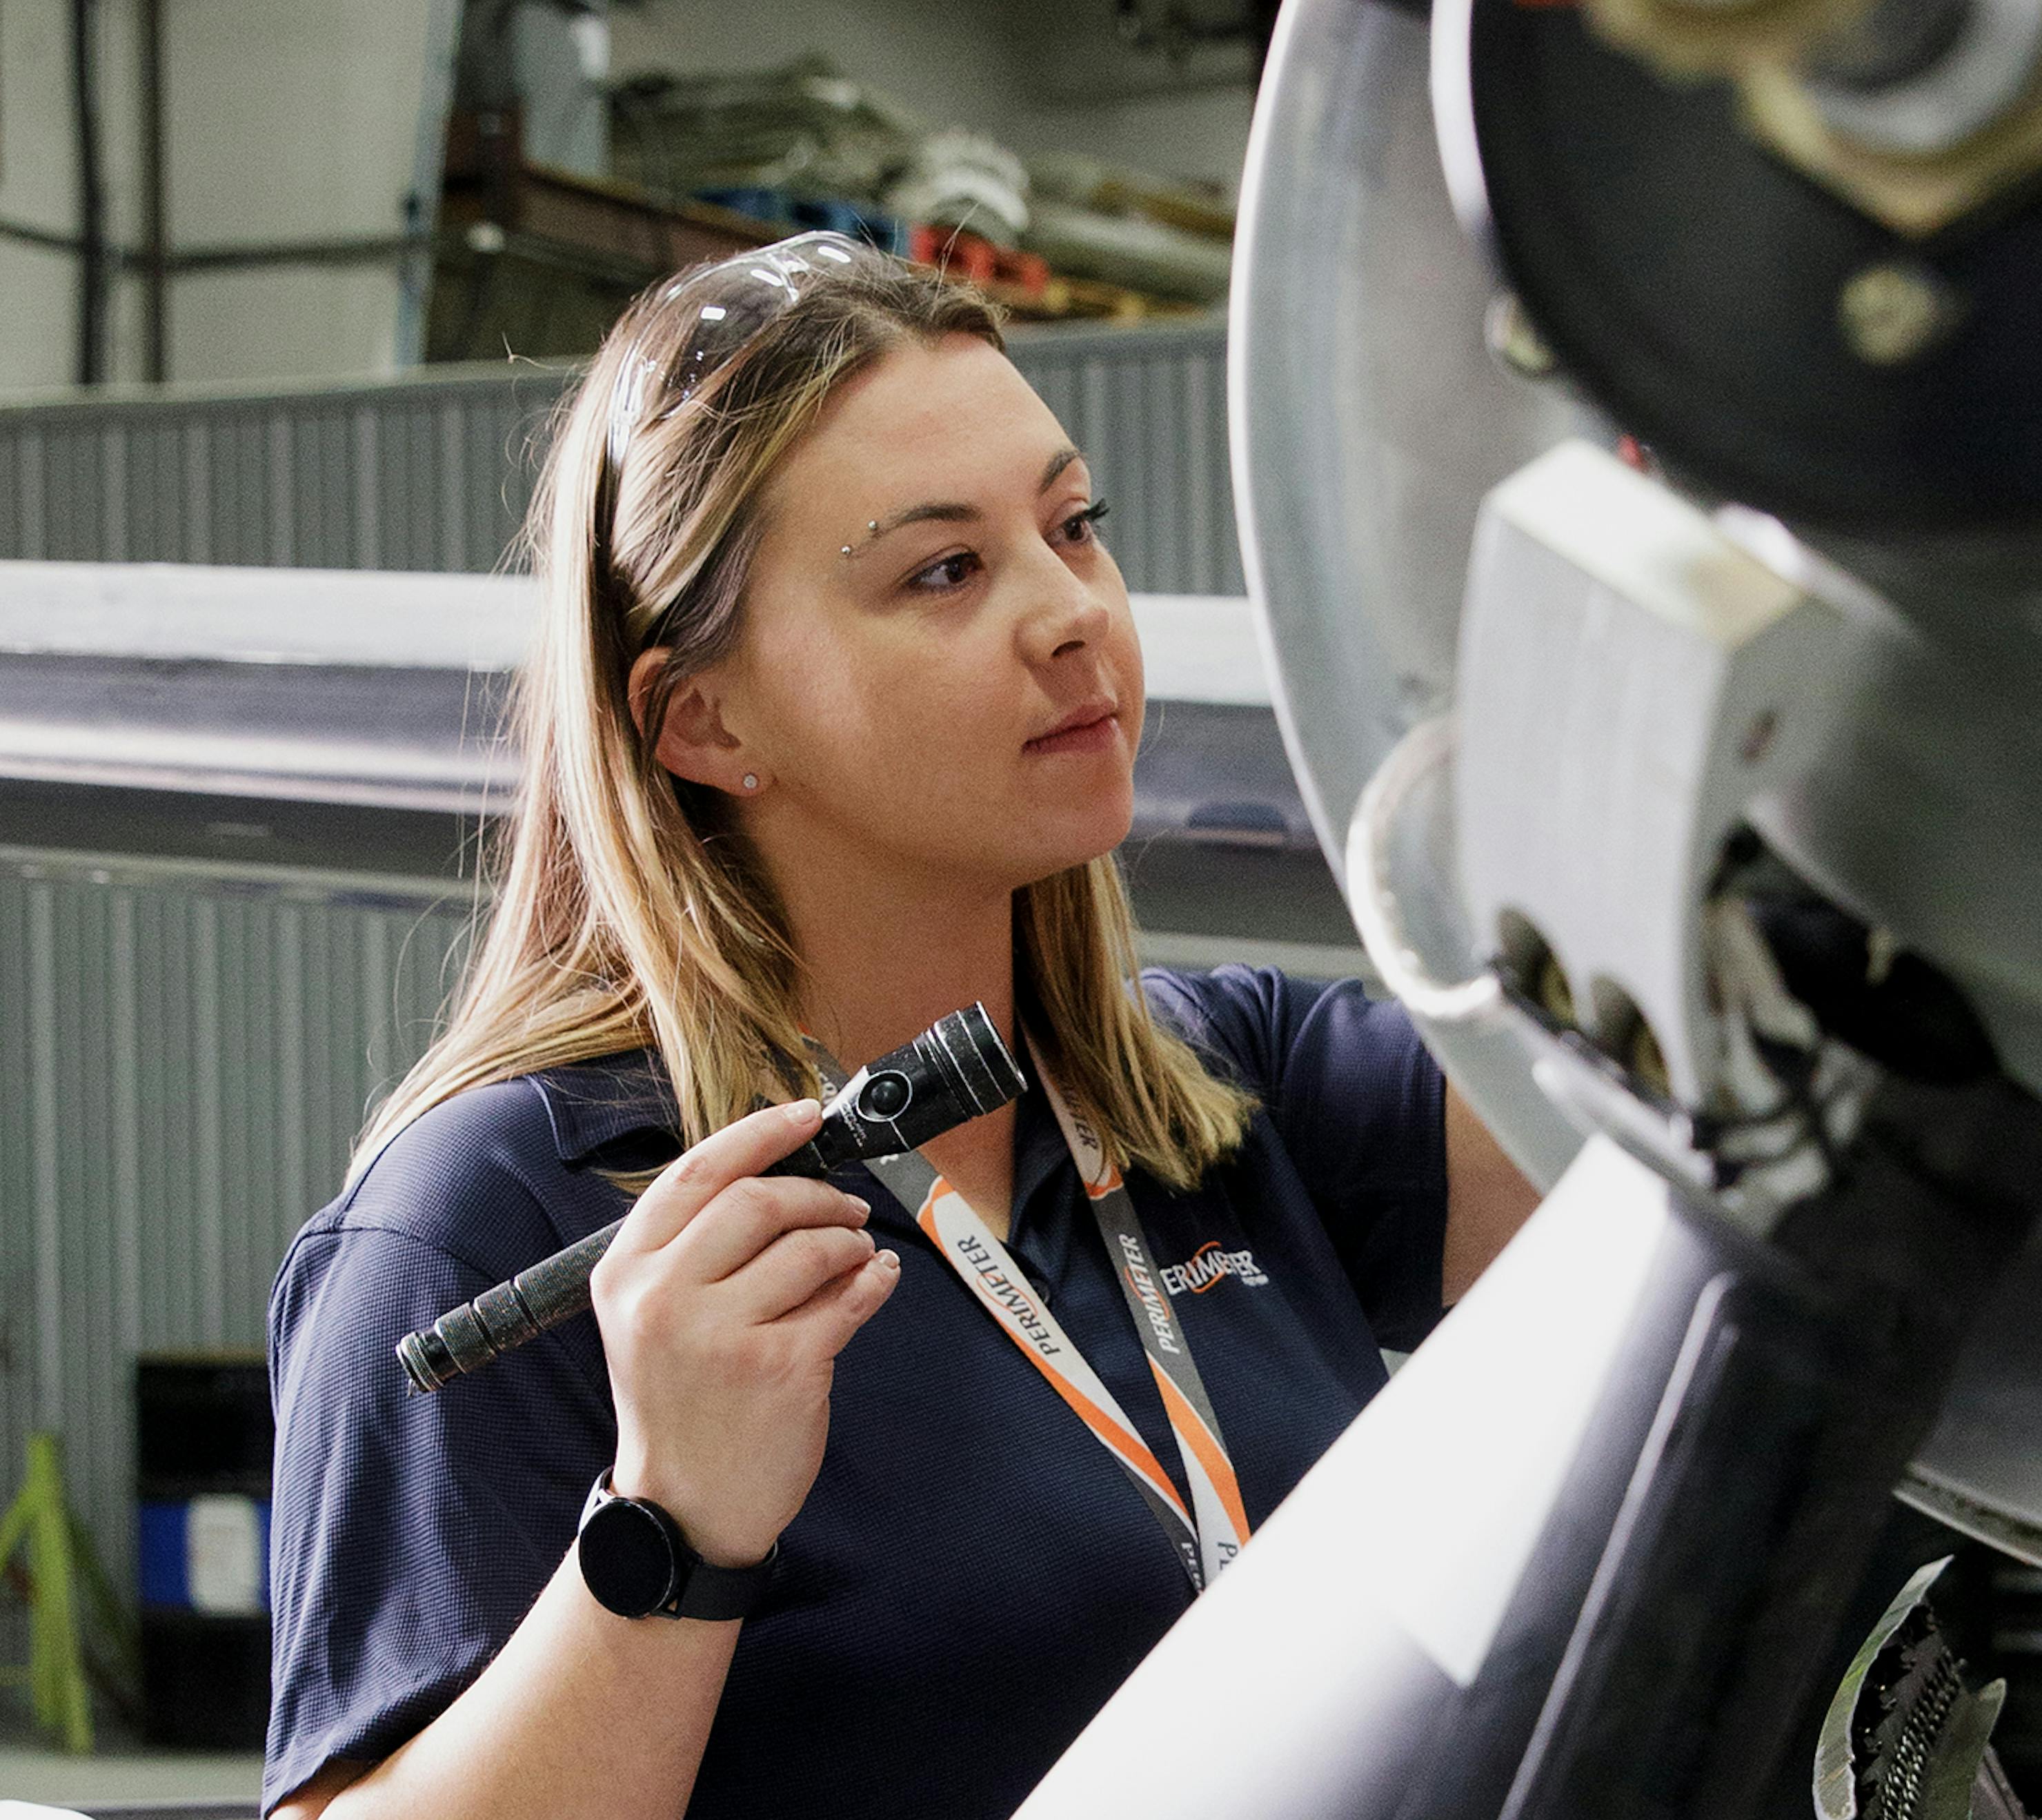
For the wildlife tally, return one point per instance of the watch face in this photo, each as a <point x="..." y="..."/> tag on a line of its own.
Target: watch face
<point x="626" y="1559"/>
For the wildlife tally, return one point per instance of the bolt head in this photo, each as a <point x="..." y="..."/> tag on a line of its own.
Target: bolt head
<point x="1895" y="311"/>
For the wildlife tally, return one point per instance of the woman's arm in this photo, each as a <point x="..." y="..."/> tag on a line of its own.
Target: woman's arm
<point x="583" y="1713"/>
<point x="723" y="1303"/>
<point x="1487" y="1199"/>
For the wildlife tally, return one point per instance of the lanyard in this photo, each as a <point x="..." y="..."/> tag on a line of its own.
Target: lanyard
<point x="1209" y="1534"/>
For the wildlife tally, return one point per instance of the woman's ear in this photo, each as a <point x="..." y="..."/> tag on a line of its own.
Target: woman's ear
<point x="693" y="743"/>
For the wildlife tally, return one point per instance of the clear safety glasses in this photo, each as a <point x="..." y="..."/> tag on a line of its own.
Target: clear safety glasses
<point x="730" y="302"/>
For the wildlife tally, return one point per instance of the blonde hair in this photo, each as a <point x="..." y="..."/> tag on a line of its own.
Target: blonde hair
<point x="629" y="910"/>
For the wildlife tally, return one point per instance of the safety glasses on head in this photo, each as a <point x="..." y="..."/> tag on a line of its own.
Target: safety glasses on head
<point x="730" y="303"/>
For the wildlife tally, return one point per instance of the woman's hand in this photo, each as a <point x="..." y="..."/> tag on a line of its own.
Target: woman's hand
<point x="723" y="1302"/>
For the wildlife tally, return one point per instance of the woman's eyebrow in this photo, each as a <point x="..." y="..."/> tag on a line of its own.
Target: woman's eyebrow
<point x="1057" y="463"/>
<point x="950" y="511"/>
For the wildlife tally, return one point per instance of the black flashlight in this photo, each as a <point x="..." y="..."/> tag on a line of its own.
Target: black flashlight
<point x="957" y="1069"/>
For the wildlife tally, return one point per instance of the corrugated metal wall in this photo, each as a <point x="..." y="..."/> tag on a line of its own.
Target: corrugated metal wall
<point x="433" y="472"/>
<point x="187" y="1054"/>
<point x="1149" y="408"/>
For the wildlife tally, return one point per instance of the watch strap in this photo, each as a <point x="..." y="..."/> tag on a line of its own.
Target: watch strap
<point x="699" y="1589"/>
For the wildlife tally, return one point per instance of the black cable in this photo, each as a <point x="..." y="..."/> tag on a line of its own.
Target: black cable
<point x="1907" y="1016"/>
<point x="91" y="196"/>
<point x="155" y="227"/>
<point x="49" y="240"/>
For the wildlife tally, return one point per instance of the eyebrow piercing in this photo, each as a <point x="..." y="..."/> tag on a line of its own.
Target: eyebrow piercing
<point x="871" y="530"/>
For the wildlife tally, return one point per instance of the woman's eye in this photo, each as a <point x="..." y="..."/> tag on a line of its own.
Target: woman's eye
<point x="947" y="572"/>
<point x="1083" y="527"/>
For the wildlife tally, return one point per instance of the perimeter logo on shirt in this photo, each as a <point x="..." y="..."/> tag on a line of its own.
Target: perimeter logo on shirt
<point x="1209" y="1265"/>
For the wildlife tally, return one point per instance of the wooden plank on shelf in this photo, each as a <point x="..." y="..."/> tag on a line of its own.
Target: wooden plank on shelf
<point x="550" y="205"/>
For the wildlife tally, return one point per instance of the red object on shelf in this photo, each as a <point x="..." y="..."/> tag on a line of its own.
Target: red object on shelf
<point x="951" y="250"/>
<point x="1029" y="270"/>
<point x="971" y="256"/>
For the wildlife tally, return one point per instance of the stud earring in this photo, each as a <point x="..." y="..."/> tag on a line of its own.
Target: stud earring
<point x="751" y="780"/>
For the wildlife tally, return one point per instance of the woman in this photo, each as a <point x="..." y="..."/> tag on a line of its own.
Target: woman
<point x="830" y="731"/>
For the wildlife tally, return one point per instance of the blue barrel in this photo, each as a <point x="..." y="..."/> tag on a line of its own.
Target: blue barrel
<point x="203" y="1440"/>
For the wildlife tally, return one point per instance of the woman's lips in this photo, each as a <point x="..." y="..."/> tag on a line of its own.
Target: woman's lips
<point x="1094" y="735"/>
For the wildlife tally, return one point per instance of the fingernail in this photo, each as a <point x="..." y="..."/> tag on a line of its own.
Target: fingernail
<point x="802" y="1111"/>
<point x="863" y="1206"/>
<point x="890" y="1260"/>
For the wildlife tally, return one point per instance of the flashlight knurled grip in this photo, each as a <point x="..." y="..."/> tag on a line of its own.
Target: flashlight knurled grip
<point x="964" y="1071"/>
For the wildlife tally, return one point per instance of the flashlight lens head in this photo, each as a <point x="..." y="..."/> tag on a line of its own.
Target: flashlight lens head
<point x="886" y="1097"/>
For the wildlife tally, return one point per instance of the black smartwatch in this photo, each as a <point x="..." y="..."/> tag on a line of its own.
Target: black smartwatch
<point x="637" y="1565"/>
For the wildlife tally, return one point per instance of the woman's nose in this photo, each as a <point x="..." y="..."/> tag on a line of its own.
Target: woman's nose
<point x="1067" y="615"/>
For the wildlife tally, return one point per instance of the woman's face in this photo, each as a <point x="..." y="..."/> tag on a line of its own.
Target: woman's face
<point x="961" y="694"/>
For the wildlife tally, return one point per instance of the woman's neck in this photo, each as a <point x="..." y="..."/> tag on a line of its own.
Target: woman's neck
<point x="883" y="958"/>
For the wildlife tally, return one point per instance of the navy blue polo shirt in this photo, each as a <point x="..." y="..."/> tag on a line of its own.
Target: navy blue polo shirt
<point x="972" y="1574"/>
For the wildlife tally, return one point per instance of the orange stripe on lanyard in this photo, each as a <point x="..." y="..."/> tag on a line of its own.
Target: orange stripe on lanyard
<point x="1192" y="1421"/>
<point x="1190" y="1426"/>
<point x="1124" y="1442"/>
